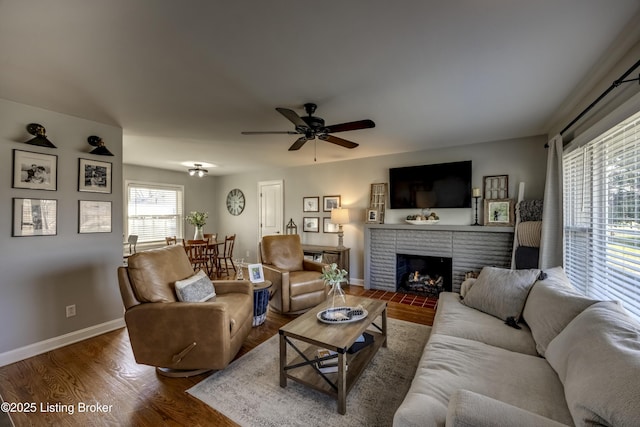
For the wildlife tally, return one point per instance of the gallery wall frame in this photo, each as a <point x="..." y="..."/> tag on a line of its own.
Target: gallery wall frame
<point x="328" y="226"/>
<point x="94" y="176"/>
<point x="330" y="202"/>
<point x="34" y="217"/>
<point x="499" y="212"/>
<point x="35" y="171"/>
<point x="311" y="224"/>
<point x="311" y="204"/>
<point x="94" y="216"/>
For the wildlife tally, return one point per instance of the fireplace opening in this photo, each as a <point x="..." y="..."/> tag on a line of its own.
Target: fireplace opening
<point x="423" y="275"/>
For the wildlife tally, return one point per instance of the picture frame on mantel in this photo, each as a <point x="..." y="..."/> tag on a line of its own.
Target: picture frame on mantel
<point x="499" y="212"/>
<point x="495" y="187"/>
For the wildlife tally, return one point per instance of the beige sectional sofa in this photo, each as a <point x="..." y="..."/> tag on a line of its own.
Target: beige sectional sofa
<point x="574" y="361"/>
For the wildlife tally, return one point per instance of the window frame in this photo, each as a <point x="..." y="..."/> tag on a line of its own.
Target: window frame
<point x="148" y="185"/>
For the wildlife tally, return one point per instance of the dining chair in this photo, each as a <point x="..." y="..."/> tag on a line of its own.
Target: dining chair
<point x="197" y="251"/>
<point x="132" y="240"/>
<point x="227" y="255"/>
<point x="171" y="240"/>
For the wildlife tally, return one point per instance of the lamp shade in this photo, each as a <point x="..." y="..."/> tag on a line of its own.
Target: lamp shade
<point x="339" y="216"/>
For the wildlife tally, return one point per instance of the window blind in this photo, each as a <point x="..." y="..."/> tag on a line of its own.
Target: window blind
<point x="154" y="211"/>
<point x="602" y="215"/>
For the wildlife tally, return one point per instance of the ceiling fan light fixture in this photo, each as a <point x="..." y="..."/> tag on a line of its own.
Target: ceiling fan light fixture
<point x="198" y="170"/>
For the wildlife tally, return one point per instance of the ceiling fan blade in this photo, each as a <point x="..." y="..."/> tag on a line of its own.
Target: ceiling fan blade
<point x="299" y="143"/>
<point x="270" y="133"/>
<point x="343" y="127"/>
<point x="339" y="141"/>
<point x="293" y="117"/>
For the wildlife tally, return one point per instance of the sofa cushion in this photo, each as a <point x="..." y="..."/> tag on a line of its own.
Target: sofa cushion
<point x="597" y="358"/>
<point x="456" y="319"/>
<point x="501" y="292"/>
<point x="552" y="303"/>
<point x="153" y="273"/>
<point x="450" y="363"/>
<point x="197" y="288"/>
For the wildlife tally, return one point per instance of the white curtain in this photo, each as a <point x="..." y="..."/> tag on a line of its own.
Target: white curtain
<point x="552" y="241"/>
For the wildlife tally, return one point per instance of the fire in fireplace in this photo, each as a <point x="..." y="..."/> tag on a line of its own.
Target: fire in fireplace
<point x="423" y="275"/>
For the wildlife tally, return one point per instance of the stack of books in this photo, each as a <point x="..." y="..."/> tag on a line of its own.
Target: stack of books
<point x="330" y="365"/>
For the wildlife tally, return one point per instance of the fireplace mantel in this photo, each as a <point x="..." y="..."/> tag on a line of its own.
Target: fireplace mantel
<point x="470" y="247"/>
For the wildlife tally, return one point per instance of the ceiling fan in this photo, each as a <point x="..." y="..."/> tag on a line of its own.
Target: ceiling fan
<point x="311" y="127"/>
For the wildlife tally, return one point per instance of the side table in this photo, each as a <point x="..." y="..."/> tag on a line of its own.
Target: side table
<point x="261" y="296"/>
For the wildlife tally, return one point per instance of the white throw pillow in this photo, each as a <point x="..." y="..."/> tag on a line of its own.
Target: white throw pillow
<point x="197" y="288"/>
<point x="551" y="305"/>
<point x="597" y="358"/>
<point x="501" y="292"/>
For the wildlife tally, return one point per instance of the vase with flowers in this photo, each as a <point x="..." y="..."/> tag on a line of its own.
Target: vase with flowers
<point x="198" y="220"/>
<point x="334" y="276"/>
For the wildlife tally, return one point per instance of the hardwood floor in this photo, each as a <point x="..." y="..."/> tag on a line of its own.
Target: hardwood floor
<point x="102" y="371"/>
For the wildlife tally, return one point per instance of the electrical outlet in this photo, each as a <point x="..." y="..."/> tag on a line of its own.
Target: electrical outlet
<point x="248" y="254"/>
<point x="71" y="310"/>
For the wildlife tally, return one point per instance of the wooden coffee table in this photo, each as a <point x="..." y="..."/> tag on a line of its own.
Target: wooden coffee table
<point x="306" y="334"/>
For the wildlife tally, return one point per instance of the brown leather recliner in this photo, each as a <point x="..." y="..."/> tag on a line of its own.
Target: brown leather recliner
<point x="297" y="285"/>
<point x="181" y="338"/>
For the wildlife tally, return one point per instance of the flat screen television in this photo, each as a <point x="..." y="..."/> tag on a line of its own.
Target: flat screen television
<point x="442" y="185"/>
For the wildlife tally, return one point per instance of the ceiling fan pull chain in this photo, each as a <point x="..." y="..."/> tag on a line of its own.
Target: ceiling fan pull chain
<point x="315" y="150"/>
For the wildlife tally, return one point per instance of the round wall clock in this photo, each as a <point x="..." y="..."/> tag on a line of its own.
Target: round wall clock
<point x="235" y="201"/>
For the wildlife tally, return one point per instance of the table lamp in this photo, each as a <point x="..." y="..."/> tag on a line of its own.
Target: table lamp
<point x="340" y="216"/>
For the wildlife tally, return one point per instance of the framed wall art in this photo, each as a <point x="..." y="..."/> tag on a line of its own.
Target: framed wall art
<point x="499" y="212"/>
<point x="330" y="202"/>
<point x="310" y="204"/>
<point x="35" y="217"/>
<point x="328" y="226"/>
<point x="35" y="171"/>
<point x="311" y="224"/>
<point x="94" y="216"/>
<point x="94" y="176"/>
<point x="495" y="187"/>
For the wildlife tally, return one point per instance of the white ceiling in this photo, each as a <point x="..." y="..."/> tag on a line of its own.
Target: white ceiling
<point x="184" y="78"/>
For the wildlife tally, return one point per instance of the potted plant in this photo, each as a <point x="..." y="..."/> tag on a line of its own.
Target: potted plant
<point x="334" y="276"/>
<point x="198" y="220"/>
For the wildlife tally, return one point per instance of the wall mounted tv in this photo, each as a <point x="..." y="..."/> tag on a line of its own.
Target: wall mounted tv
<point x="443" y="185"/>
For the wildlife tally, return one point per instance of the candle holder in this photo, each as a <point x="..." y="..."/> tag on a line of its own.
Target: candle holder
<point x="476" y="223"/>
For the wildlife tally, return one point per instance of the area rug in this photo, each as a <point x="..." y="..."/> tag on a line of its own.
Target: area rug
<point x="248" y="390"/>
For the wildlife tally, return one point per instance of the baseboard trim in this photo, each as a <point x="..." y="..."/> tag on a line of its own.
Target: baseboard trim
<point x="357" y="282"/>
<point x="35" y="349"/>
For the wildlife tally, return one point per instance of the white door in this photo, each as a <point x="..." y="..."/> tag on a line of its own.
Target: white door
<point x="271" y="208"/>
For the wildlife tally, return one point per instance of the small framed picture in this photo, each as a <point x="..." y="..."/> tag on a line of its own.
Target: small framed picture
<point x="256" y="274"/>
<point x="94" y="176"/>
<point x="35" y="217"/>
<point x="499" y="212"/>
<point x="330" y="202"/>
<point x="328" y="226"/>
<point x="373" y="216"/>
<point x="94" y="216"/>
<point x="35" y="171"/>
<point x="310" y="204"/>
<point x="311" y="224"/>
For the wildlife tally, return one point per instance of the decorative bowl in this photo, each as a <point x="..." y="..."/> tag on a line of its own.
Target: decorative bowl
<point x="422" y="221"/>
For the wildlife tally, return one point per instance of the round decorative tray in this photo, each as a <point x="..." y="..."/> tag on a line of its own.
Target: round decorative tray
<point x="342" y="315"/>
<point x="422" y="221"/>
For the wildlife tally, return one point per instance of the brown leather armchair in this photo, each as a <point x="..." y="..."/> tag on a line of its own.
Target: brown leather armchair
<point x="296" y="281"/>
<point x="181" y="338"/>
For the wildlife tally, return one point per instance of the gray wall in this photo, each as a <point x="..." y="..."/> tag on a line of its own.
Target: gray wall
<point x="43" y="274"/>
<point x="524" y="160"/>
